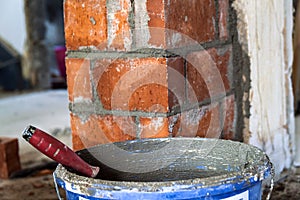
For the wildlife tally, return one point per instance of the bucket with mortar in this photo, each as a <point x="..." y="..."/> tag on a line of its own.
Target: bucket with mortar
<point x="171" y="168"/>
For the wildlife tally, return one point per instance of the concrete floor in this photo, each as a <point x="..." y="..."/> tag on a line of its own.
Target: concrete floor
<point x="47" y="110"/>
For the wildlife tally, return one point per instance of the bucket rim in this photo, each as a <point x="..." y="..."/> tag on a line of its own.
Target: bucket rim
<point x="239" y="179"/>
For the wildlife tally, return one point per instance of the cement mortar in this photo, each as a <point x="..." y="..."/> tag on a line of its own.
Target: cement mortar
<point x="177" y="163"/>
<point x="241" y="79"/>
<point x="84" y="108"/>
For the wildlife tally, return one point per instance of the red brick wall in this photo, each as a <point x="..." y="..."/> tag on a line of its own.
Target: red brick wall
<point x="153" y="68"/>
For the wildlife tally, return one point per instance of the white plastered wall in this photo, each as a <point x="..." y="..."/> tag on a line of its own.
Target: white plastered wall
<point x="265" y="32"/>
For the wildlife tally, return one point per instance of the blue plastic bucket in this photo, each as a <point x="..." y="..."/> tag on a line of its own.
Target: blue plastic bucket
<point x="173" y="168"/>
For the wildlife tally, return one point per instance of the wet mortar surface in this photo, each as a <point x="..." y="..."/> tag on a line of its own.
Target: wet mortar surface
<point x="40" y="185"/>
<point x="183" y="164"/>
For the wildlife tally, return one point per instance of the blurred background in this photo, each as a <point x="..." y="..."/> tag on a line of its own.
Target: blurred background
<point x="32" y="91"/>
<point x="32" y="45"/>
<point x="32" y="66"/>
<point x="33" y="84"/>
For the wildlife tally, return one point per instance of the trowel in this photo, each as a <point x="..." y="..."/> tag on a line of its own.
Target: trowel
<point x="58" y="151"/>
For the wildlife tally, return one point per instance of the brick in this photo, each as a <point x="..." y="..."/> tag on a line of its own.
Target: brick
<point x="101" y="129"/>
<point x="86" y="133"/>
<point x="149" y="98"/>
<point x="148" y="84"/>
<point x="198" y="122"/>
<point x="78" y="79"/>
<point x="77" y="142"/>
<point x="208" y="73"/>
<point x="194" y="19"/>
<point x="149" y="23"/>
<point x="156" y="127"/>
<point x="155" y="7"/>
<point x="229" y="116"/>
<point x="223" y="19"/>
<point x="132" y="84"/>
<point x="156" y="23"/>
<point x="107" y="25"/>
<point x="119" y="33"/>
<point x="209" y="125"/>
<point x="9" y="156"/>
<point x="85" y="24"/>
<point x="176" y="82"/>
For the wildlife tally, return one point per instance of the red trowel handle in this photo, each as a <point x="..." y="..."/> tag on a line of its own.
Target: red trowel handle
<point x="58" y="151"/>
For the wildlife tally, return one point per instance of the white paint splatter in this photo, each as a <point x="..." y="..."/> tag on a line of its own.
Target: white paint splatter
<point x="141" y="24"/>
<point x="157" y="123"/>
<point x="81" y="99"/>
<point x="175" y="40"/>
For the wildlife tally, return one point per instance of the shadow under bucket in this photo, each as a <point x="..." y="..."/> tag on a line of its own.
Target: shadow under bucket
<point x="171" y="168"/>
